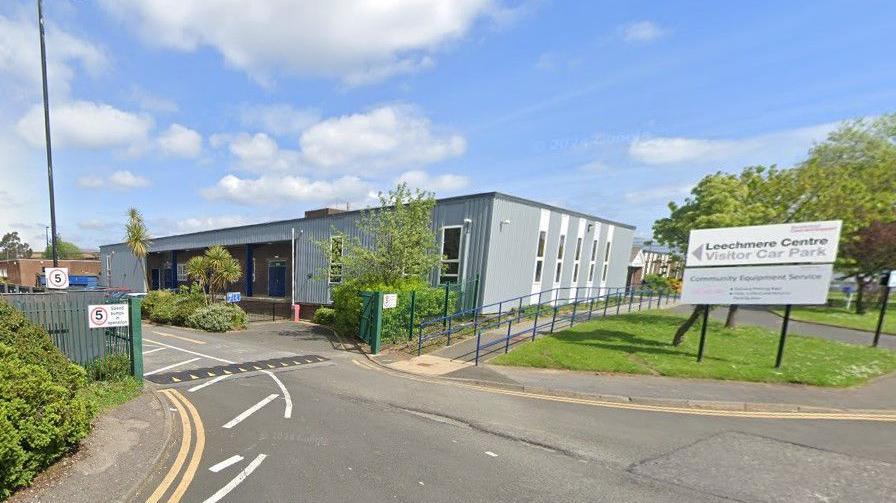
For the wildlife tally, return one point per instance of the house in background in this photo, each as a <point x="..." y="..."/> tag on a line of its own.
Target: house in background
<point x="29" y="272"/>
<point x="649" y="258"/>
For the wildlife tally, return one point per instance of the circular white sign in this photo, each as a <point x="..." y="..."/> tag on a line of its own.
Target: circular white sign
<point x="57" y="277"/>
<point x="99" y="316"/>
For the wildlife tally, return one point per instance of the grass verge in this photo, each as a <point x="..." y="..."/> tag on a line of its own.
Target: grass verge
<point x="839" y="316"/>
<point x="640" y="343"/>
<point x="106" y="395"/>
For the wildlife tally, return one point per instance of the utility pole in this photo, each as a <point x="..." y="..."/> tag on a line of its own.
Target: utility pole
<point x="43" y="67"/>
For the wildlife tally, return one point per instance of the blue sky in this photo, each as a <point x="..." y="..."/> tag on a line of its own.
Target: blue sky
<point x="205" y="116"/>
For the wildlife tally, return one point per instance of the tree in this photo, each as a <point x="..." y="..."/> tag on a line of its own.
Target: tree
<point x="871" y="252"/>
<point x="65" y="250"/>
<point x="402" y="244"/>
<point x="214" y="270"/>
<point x="11" y="247"/>
<point x="724" y="200"/>
<point x="137" y="239"/>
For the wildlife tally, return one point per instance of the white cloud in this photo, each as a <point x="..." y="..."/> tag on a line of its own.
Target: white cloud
<point x="258" y="153"/>
<point x="279" y="118"/>
<point x="85" y="124"/>
<point x="352" y="40"/>
<point x="90" y="182"/>
<point x="124" y="179"/>
<point x="150" y="102"/>
<point x="594" y="167"/>
<point x="180" y="141"/>
<point x="20" y="56"/>
<point x="97" y="224"/>
<point x="383" y="138"/>
<point x="206" y="223"/>
<point x="23" y="190"/>
<point x="779" y="147"/>
<point x="664" y="192"/>
<point x="439" y="184"/>
<point x="642" y="31"/>
<point x="274" y="190"/>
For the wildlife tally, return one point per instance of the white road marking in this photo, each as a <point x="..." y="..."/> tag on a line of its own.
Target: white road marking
<point x="209" y="383"/>
<point x="190" y="352"/>
<point x="224" y="464"/>
<point x="251" y="410"/>
<point x="492" y="454"/>
<point x="214" y="498"/>
<point x="153" y="350"/>
<point x="287" y="412"/>
<point x="156" y="371"/>
<point x="166" y="334"/>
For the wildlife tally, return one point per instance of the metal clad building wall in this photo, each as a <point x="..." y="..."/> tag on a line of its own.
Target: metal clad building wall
<point x="453" y="212"/>
<point x="125" y="268"/>
<point x="620" y="254"/>
<point x="511" y="251"/>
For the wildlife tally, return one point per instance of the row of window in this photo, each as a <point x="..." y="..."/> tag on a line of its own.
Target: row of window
<point x="558" y="268"/>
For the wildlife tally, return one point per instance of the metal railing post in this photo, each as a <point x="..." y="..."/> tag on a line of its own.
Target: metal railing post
<point x="606" y="302"/>
<point x="650" y="300"/>
<point x="136" y="330"/>
<point x="535" y="324"/>
<point x="618" y="300"/>
<point x="519" y="310"/>
<point x="554" y="319"/>
<point x="507" y="338"/>
<point x="478" y="343"/>
<point x="411" y="322"/>
<point x="445" y="308"/>
<point x="590" y="307"/>
<point x="575" y="304"/>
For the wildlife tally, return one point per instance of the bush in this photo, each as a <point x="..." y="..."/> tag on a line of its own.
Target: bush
<point x="218" y="318"/>
<point x="43" y="410"/>
<point x="153" y="300"/>
<point x="324" y="316"/>
<point x="114" y="367"/>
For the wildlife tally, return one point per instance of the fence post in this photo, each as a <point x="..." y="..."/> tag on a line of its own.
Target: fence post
<point x="445" y="308"/>
<point x="507" y="339"/>
<point x="136" y="329"/>
<point x="519" y="310"/>
<point x="607" y="302"/>
<point x="411" y="323"/>
<point x="378" y="325"/>
<point x="575" y="304"/>
<point x="478" y="339"/>
<point x="590" y="307"/>
<point x="476" y="294"/>
<point x="618" y="300"/>
<point x="554" y="319"/>
<point x="535" y="324"/>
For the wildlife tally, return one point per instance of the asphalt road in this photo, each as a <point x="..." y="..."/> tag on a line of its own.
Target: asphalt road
<point x="356" y="433"/>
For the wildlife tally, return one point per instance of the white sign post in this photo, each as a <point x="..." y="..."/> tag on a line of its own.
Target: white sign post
<point x="746" y="265"/>
<point x="390" y="300"/>
<point x="57" y="277"/>
<point x="107" y="315"/>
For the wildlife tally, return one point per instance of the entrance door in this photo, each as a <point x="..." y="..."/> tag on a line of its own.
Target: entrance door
<point x="154" y="281"/>
<point x="277" y="278"/>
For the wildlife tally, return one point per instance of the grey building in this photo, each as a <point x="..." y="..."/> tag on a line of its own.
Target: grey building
<point x="514" y="246"/>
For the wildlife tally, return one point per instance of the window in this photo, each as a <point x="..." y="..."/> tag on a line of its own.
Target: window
<point x="450" y="271"/>
<point x="593" y="260"/>
<point x="606" y="262"/>
<point x="578" y="248"/>
<point x="539" y="255"/>
<point x="575" y="267"/>
<point x="560" y="250"/>
<point x="181" y="273"/>
<point x="335" y="272"/>
<point x="575" y="272"/>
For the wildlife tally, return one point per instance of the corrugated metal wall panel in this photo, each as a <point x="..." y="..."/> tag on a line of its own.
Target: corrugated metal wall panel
<point x="119" y="268"/>
<point x="512" y="248"/>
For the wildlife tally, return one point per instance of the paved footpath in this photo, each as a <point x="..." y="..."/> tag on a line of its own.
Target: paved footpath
<point x="347" y="429"/>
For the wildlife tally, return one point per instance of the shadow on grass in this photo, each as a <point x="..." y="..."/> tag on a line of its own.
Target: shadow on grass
<point x="613" y="340"/>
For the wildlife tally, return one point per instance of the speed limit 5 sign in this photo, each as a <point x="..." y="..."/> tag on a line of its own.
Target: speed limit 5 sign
<point x="107" y="315"/>
<point x="57" y="277"/>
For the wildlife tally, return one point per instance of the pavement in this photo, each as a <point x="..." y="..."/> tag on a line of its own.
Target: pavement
<point x="347" y="428"/>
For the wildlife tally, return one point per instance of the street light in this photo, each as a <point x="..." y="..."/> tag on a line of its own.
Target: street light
<point x="43" y="67"/>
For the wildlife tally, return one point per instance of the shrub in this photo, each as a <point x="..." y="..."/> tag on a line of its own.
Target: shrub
<point x="114" y="367"/>
<point x="43" y="411"/>
<point x="218" y="317"/>
<point x="324" y="316"/>
<point x="153" y="300"/>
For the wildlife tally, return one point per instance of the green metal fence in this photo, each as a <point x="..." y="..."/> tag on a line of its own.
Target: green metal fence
<point x="64" y="317"/>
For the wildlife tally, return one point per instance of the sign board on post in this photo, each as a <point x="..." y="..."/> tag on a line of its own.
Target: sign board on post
<point x="390" y="300"/>
<point x="233" y="297"/>
<point x="758" y="285"/>
<point x="805" y="243"/>
<point x="107" y="315"/>
<point x="57" y="277"/>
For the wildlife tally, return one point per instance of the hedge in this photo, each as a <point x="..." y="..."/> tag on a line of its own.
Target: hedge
<point x="324" y="316"/>
<point x="187" y="308"/>
<point x="43" y="410"/>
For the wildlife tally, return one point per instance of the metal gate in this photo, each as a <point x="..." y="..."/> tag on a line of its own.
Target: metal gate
<point x="64" y="317"/>
<point x="371" y="322"/>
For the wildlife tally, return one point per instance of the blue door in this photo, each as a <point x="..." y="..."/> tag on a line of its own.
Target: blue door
<point x="154" y="282"/>
<point x="277" y="279"/>
<point x="169" y="279"/>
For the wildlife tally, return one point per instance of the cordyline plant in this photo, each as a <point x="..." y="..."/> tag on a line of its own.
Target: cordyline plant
<point x="213" y="271"/>
<point x="137" y="240"/>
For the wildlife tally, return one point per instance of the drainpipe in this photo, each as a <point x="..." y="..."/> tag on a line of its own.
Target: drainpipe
<point x="463" y="275"/>
<point x="292" y="262"/>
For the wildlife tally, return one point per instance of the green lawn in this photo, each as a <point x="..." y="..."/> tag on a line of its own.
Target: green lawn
<point x="640" y="343"/>
<point x="840" y="317"/>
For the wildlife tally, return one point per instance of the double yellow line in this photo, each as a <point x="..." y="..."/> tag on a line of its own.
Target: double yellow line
<point x="881" y="415"/>
<point x="189" y="419"/>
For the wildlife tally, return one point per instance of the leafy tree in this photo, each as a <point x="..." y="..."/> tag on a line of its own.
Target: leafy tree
<point x="214" y="270"/>
<point x="64" y="250"/>
<point x="723" y="200"/>
<point x="402" y="244"/>
<point x="870" y="253"/>
<point x="137" y="239"/>
<point x="11" y="247"/>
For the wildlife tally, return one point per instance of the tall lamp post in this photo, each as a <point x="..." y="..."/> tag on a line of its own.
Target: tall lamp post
<point x="43" y="67"/>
